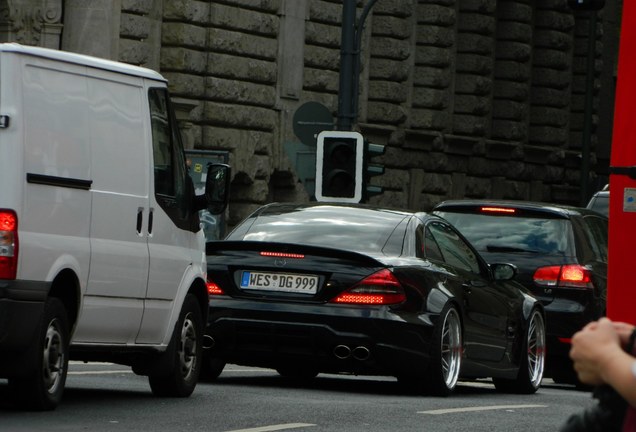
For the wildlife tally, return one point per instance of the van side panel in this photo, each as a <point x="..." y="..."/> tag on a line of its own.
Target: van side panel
<point x="55" y="216"/>
<point x="113" y="302"/>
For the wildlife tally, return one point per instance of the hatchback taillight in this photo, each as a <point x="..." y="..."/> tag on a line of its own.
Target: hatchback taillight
<point x="381" y="288"/>
<point x="8" y="244"/>
<point x="566" y="276"/>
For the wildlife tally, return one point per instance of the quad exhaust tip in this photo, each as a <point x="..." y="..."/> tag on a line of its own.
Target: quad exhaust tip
<point x="343" y="352"/>
<point x="361" y="353"/>
<point x="208" y="342"/>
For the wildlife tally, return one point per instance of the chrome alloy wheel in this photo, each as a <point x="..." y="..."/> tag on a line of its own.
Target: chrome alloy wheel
<point x="53" y="360"/>
<point x="536" y="348"/>
<point x="451" y="348"/>
<point x="187" y="350"/>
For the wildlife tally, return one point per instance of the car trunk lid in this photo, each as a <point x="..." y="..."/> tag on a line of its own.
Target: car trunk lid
<point x="285" y="272"/>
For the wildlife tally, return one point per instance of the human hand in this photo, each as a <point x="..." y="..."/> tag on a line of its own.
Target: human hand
<point x="624" y="331"/>
<point x="593" y="347"/>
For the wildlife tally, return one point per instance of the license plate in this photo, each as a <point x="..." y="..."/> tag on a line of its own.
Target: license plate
<point x="293" y="283"/>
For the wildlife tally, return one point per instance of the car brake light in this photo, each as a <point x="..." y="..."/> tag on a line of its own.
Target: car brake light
<point x="381" y="288"/>
<point x="8" y="244"/>
<point x="570" y="276"/>
<point x="214" y="289"/>
<point x="497" y="210"/>
<point x="282" y="255"/>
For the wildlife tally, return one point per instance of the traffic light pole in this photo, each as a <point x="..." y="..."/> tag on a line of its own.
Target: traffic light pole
<point x="351" y="41"/>
<point x="347" y="60"/>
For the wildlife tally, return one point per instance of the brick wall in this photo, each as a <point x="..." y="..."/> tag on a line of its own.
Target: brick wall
<point x="473" y="98"/>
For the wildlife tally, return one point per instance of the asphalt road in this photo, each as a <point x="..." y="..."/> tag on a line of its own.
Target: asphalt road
<point x="105" y="397"/>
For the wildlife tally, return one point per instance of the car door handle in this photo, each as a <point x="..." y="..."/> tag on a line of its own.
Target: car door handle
<point x="151" y="214"/>
<point x="140" y="219"/>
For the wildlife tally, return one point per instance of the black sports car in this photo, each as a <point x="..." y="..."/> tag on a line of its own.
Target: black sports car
<point x="311" y="288"/>
<point x="561" y="256"/>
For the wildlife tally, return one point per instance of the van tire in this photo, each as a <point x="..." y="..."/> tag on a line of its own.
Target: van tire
<point x="41" y="385"/>
<point x="184" y="354"/>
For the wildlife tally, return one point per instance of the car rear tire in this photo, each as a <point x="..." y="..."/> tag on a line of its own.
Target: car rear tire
<point x="532" y="361"/>
<point x="446" y="356"/>
<point x="211" y="368"/>
<point x="442" y="374"/>
<point x="185" y="347"/>
<point x="41" y="386"/>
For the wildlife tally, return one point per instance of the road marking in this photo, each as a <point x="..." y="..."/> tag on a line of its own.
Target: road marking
<point x="275" y="427"/>
<point x="479" y="408"/>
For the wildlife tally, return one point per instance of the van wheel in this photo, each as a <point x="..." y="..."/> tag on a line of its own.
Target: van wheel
<point x="185" y="349"/>
<point x="42" y="385"/>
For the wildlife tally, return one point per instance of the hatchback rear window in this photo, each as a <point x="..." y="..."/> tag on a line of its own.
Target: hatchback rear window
<point x="512" y="233"/>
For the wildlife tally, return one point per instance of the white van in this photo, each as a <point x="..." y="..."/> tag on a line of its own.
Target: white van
<point x="101" y="249"/>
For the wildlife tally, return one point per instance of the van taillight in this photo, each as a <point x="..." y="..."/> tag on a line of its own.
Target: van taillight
<point x="568" y="276"/>
<point x="381" y="288"/>
<point x="8" y="244"/>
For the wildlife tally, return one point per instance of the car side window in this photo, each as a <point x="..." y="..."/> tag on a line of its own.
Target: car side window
<point x="598" y="229"/>
<point x="453" y="249"/>
<point x="426" y="245"/>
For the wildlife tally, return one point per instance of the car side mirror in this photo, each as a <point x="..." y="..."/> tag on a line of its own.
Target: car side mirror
<point x="217" y="187"/>
<point x="503" y="271"/>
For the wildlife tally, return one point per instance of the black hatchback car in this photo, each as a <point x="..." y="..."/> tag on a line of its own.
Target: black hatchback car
<point x="560" y="253"/>
<point x="331" y="288"/>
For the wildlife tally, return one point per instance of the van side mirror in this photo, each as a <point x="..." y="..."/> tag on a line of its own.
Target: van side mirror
<point x="217" y="187"/>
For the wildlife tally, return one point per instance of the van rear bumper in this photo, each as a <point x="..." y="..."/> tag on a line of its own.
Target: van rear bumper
<point x="21" y="307"/>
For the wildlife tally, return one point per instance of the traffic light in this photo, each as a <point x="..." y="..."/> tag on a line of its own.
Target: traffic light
<point x="339" y="166"/>
<point x="371" y="170"/>
<point x="586" y="4"/>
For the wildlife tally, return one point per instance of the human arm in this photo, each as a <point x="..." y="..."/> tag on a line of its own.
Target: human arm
<point x="599" y="357"/>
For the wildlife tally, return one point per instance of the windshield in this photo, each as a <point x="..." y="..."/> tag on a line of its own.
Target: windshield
<point x="512" y="234"/>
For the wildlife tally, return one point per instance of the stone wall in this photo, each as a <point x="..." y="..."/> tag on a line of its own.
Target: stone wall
<point x="473" y="98"/>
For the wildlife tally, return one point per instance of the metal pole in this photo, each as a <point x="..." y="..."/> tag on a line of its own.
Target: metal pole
<point x="356" y="70"/>
<point x="347" y="54"/>
<point x="589" y="107"/>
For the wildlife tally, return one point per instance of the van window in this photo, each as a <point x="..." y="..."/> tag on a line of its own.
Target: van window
<point x="168" y="157"/>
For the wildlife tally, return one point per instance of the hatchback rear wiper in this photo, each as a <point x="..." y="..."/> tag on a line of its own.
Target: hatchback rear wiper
<point x="497" y="248"/>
